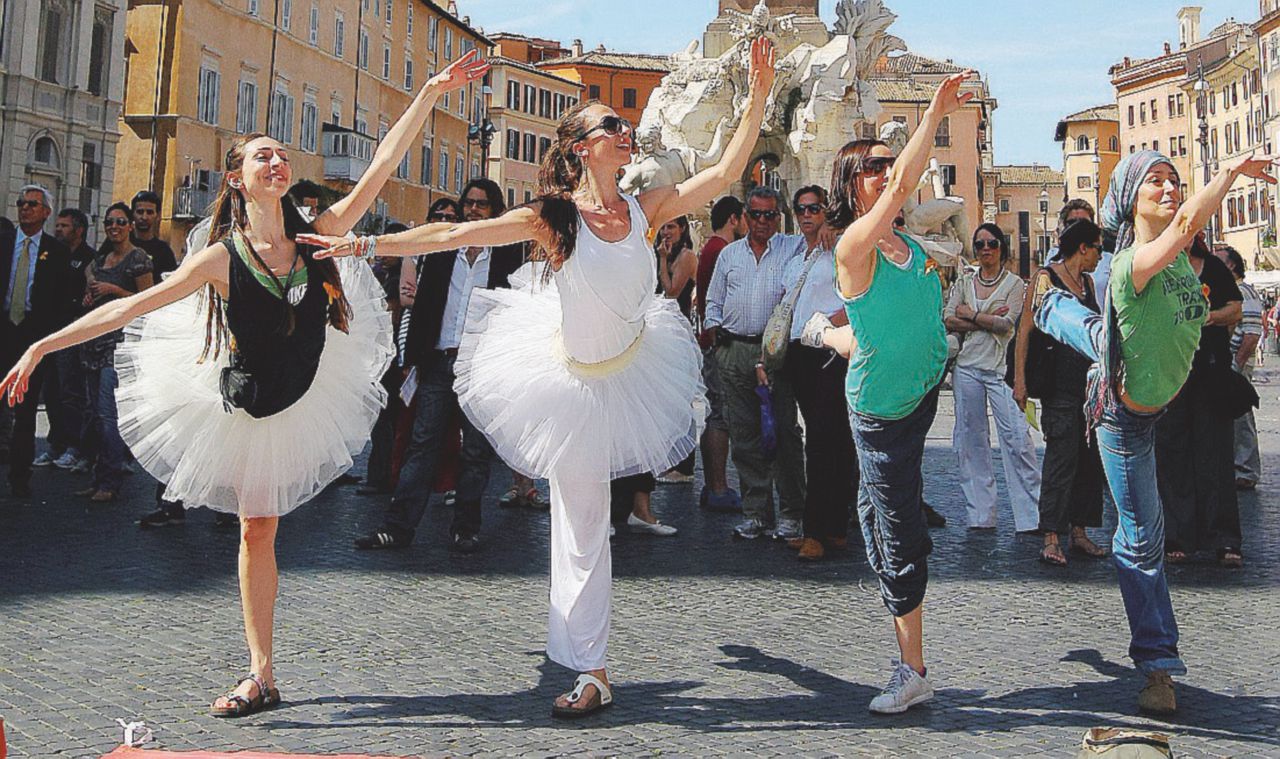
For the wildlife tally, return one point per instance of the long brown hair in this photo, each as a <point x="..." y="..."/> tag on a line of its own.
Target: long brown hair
<point x="843" y="208"/>
<point x="228" y="218"/>
<point x="560" y="176"/>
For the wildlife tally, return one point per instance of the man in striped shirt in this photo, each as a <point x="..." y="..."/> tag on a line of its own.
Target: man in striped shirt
<point x="1244" y="350"/>
<point x="745" y="287"/>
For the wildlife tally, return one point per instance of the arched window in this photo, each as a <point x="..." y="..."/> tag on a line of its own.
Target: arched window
<point x="1082" y="144"/>
<point x="44" y="152"/>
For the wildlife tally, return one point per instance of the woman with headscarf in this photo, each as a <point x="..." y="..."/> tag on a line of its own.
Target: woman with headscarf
<point x="1143" y="347"/>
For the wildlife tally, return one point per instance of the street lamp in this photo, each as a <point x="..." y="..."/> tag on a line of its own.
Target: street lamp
<point x="1097" y="176"/>
<point x="1202" y="105"/>
<point x="482" y="131"/>
<point x="1044" y="224"/>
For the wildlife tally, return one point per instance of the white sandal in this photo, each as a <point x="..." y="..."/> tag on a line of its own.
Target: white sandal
<point x="603" y="693"/>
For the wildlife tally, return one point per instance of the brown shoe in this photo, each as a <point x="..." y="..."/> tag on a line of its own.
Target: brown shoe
<point x="1244" y="484"/>
<point x="812" y="550"/>
<point x="795" y="544"/>
<point x="103" y="496"/>
<point x="838" y="544"/>
<point x="1157" y="696"/>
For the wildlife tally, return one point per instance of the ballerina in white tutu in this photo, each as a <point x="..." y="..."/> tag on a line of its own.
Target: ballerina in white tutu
<point x="582" y="375"/>
<point x="254" y="397"/>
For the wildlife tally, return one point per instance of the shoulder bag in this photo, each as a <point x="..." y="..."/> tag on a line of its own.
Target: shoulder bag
<point x="777" y="331"/>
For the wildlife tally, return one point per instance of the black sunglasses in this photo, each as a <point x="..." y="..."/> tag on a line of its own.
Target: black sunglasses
<point x="24" y="203"/>
<point x="804" y="209"/>
<point x="757" y="214"/>
<point x="876" y="164"/>
<point x="115" y="221"/>
<point x="442" y="217"/>
<point x="986" y="244"/>
<point x="480" y="203"/>
<point x="612" y="126"/>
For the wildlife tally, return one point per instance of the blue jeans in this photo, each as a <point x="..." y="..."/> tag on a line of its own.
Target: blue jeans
<point x="890" y="504"/>
<point x="100" y="389"/>
<point x="1126" y="440"/>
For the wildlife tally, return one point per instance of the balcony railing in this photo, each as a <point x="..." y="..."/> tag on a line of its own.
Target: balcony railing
<point x="347" y="153"/>
<point x="193" y="202"/>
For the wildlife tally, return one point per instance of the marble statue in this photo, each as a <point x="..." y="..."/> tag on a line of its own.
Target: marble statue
<point x="943" y="219"/>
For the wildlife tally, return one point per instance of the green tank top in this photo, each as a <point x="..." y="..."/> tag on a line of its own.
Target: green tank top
<point x="902" y="344"/>
<point x="1159" y="327"/>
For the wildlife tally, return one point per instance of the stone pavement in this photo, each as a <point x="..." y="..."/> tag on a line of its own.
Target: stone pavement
<point x="719" y="647"/>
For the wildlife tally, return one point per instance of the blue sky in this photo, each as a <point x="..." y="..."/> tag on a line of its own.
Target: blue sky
<point x="1041" y="64"/>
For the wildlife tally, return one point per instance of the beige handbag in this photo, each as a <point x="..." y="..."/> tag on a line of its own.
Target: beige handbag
<point x="777" y="331"/>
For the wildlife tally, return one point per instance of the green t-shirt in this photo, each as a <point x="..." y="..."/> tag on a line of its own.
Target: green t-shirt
<point x="902" y="344"/>
<point x="1159" y="327"/>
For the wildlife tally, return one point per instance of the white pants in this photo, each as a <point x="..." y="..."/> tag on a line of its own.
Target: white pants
<point x="581" y="574"/>
<point x="975" y="391"/>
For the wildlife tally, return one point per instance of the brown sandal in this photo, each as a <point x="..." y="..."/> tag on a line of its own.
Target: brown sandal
<point x="1081" y="544"/>
<point x="1052" y="555"/>
<point x="240" y="706"/>
<point x="1230" y="558"/>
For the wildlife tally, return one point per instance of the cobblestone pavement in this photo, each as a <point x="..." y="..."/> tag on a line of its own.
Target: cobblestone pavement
<point x="719" y="647"/>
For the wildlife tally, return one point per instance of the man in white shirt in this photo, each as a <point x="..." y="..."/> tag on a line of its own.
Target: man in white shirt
<point x="745" y="287"/>
<point x="445" y="283"/>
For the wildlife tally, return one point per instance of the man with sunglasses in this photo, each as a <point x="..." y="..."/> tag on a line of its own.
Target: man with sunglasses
<point x="444" y="285"/>
<point x="746" y="285"/>
<point x="38" y="286"/>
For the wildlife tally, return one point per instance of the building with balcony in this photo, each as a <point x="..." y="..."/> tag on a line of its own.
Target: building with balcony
<point x="61" y="86"/>
<point x="325" y="77"/>
<point x="1090" y="151"/>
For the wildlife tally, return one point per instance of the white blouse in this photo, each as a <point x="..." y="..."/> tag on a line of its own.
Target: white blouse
<point x="986" y="350"/>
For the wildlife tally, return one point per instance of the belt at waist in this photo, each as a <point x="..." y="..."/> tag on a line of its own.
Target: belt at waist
<point x="731" y="337"/>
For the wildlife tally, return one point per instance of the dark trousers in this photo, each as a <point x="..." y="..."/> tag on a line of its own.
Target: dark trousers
<point x="383" y="437"/>
<point x="830" y="458"/>
<point x="1195" y="459"/>
<point x="1071" y="482"/>
<point x="622" y="494"/>
<point x="891" y="505"/>
<point x="65" y="401"/>
<point x="437" y="403"/>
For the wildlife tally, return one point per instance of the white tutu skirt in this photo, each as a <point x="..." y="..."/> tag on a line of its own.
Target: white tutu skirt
<point x="173" y="419"/>
<point x="544" y="415"/>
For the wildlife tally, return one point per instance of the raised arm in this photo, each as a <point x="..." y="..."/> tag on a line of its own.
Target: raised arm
<point x="666" y="203"/>
<point x="343" y="215"/>
<point x="517" y="225"/>
<point x="208" y="267"/>
<point x="1151" y="257"/>
<point x="854" y="259"/>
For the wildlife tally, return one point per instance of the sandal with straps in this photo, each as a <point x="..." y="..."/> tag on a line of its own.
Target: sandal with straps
<point x="602" y="700"/>
<point x="240" y="706"/>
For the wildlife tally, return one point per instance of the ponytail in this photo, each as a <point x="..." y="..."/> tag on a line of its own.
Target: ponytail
<point x="561" y="174"/>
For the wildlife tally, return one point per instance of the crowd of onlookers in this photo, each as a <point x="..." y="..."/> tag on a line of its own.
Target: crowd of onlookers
<point x="776" y="400"/>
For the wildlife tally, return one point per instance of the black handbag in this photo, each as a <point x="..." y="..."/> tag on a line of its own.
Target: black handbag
<point x="239" y="388"/>
<point x="1235" y="395"/>
<point x="1042" y="358"/>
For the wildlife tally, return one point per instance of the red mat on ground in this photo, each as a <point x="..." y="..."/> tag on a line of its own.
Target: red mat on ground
<point x="124" y="752"/>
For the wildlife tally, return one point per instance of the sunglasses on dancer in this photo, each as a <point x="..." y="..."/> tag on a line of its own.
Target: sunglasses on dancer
<point x="115" y="221"/>
<point x="610" y="125"/>
<point x="986" y="244"/>
<point x="758" y="214"/>
<point x="808" y="209"/>
<point x="876" y="164"/>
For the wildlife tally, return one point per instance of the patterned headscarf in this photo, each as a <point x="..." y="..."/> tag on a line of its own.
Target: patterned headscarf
<point x="1122" y="197"/>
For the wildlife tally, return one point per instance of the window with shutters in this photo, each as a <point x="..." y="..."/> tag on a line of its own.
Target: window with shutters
<point x="247" y="107"/>
<point x="55" y="20"/>
<point x="530" y="148"/>
<point x="207" y="94"/>
<point x="513" y="94"/>
<point x="593" y="92"/>
<point x="544" y="144"/>
<point x="408" y="22"/>
<point x="513" y="145"/>
<point x="443" y="177"/>
<point x="280" y="123"/>
<point x="386" y="62"/>
<point x="426" y="165"/>
<point x="362" y="50"/>
<point x="544" y="103"/>
<point x="339" y="35"/>
<point x="942" y="137"/>
<point x="530" y="99"/>
<point x="408" y="73"/>
<point x="310" y="126"/>
<point x="459" y="166"/>
<point x="629" y="97"/>
<point x="313" y="25"/>
<point x="1082" y="144"/>
<point x="100" y="43"/>
<point x="286" y="14"/>
<point x="433" y="31"/>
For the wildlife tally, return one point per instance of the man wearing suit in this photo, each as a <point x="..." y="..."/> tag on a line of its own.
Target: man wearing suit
<point x="444" y="285"/>
<point x="37" y="284"/>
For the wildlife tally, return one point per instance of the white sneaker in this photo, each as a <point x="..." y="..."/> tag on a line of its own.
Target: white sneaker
<point x="814" y="329"/>
<point x="42" y="460"/>
<point x="787" y="529"/>
<point x="906" y="688"/>
<point x="636" y="524"/>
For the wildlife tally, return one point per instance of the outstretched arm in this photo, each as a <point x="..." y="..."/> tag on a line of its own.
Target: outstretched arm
<point x="517" y="225"/>
<point x="666" y="203"/>
<point x="209" y="266"/>
<point x="343" y="215"/>
<point x="854" y="259"/>
<point x="1150" y="258"/>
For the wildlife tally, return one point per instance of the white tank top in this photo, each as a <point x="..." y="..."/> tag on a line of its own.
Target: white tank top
<point x="605" y="290"/>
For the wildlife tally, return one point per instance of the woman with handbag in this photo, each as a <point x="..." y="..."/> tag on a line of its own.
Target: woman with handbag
<point x="1071" y="481"/>
<point x="253" y="398"/>
<point x="983" y="306"/>
<point x="1143" y="342"/>
<point x="817" y="377"/>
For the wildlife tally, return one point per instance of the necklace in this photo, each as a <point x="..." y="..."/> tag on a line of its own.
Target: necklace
<point x="1075" y="281"/>
<point x="989" y="282"/>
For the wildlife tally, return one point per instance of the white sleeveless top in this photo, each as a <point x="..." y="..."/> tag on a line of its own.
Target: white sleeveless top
<point x="605" y="290"/>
